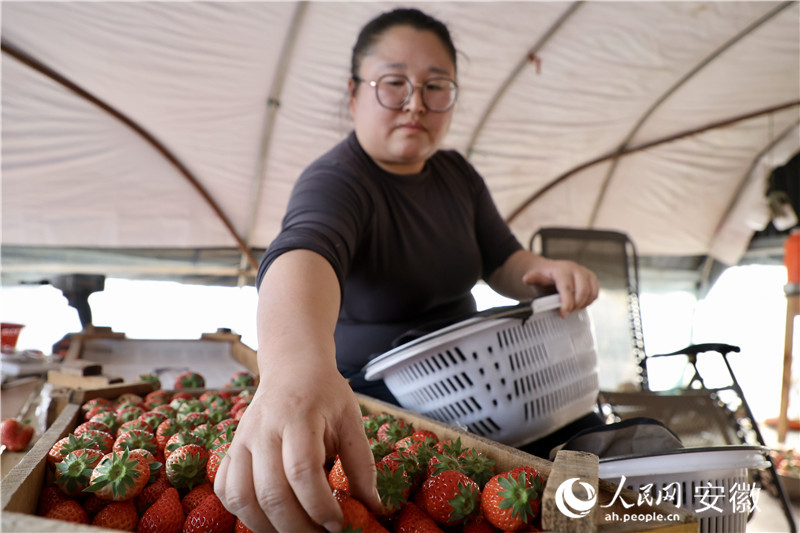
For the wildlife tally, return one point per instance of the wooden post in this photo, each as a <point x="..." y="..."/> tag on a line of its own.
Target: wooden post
<point x="792" y="310"/>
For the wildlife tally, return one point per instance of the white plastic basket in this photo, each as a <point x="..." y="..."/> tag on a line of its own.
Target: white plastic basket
<point x="712" y="482"/>
<point x="507" y="379"/>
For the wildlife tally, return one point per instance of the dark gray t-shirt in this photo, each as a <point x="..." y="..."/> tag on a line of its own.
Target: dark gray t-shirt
<point x="407" y="249"/>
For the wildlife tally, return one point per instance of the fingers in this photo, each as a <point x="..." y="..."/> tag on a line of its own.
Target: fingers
<point x="303" y="454"/>
<point x="578" y="286"/>
<point x="359" y="463"/>
<point x="234" y="487"/>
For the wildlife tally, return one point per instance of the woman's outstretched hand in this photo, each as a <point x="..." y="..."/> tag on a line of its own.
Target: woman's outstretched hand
<point x="273" y="477"/>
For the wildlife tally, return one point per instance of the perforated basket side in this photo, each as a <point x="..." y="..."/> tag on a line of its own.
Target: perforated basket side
<point x="714" y="495"/>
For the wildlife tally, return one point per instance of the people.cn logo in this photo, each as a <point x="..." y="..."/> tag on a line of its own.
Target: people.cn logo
<point x="569" y="504"/>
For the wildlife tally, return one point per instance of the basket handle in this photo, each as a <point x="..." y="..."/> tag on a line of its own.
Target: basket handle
<point x="546" y="303"/>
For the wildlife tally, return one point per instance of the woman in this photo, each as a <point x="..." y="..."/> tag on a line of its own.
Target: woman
<point x="383" y="233"/>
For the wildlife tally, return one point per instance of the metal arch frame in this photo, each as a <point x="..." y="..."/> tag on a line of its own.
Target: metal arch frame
<point x="624" y="148"/>
<point x="35" y="64"/>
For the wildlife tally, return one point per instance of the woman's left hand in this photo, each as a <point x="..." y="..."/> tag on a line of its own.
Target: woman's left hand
<point x="577" y="285"/>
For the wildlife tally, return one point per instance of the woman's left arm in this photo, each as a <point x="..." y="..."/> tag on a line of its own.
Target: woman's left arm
<point x="523" y="275"/>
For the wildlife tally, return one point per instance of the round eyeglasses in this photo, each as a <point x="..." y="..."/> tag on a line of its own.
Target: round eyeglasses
<point x="394" y="91"/>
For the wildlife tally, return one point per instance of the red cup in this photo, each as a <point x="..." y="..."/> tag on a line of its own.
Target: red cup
<point x="9" y="333"/>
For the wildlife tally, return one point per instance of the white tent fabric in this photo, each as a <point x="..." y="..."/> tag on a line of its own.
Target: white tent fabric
<point x="660" y="119"/>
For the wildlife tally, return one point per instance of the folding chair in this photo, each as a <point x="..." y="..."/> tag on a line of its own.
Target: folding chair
<point x="701" y="414"/>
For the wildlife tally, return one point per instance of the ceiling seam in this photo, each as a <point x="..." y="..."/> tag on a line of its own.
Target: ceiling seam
<point x="526" y="59"/>
<point x="650" y="144"/>
<point x="28" y="60"/>
<point x="273" y="105"/>
<point x="670" y="91"/>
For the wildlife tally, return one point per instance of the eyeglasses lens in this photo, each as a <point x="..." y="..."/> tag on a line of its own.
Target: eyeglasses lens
<point x="438" y="94"/>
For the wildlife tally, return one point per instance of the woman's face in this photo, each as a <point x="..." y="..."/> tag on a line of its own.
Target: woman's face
<point x="400" y="141"/>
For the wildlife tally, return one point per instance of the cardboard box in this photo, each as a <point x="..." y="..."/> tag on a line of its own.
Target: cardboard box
<point x="21" y="487"/>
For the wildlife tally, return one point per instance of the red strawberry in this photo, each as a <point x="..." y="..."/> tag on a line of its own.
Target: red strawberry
<point x="412" y="519"/>
<point x="69" y="511"/>
<point x="243" y="379"/>
<point x="103" y="441"/>
<point x="156" y="398"/>
<point x="92" y="424"/>
<point x="239" y="527"/>
<point x="181" y="438"/>
<point x="425" y="435"/>
<point x="134" y="424"/>
<point x="126" y="399"/>
<point x="69" y="444"/>
<point x="94" y="403"/>
<point x="394" y="485"/>
<point x="136" y="438"/>
<point x="108" y="418"/>
<point x="186" y="466"/>
<point x="93" y="505"/>
<point x="337" y="479"/>
<point x="165" y="430"/>
<point x="49" y="498"/>
<point x="131" y="412"/>
<point x="117" y="515"/>
<point x="15" y="436"/>
<point x="450" y="497"/>
<point x="214" y="460"/>
<point x="477" y="466"/>
<point x="75" y="470"/>
<point x="391" y="432"/>
<point x="480" y="525"/>
<point x="151" y="378"/>
<point x="356" y="514"/>
<point x="511" y="500"/>
<point x="164" y="516"/>
<point x="152" y="419"/>
<point x="209" y="517"/>
<point x="152" y="462"/>
<point x="195" y="497"/>
<point x="189" y="380"/>
<point x="151" y="493"/>
<point x="119" y="476"/>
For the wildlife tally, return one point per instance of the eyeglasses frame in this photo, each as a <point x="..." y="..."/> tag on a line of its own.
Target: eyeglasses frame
<point x="421" y="87"/>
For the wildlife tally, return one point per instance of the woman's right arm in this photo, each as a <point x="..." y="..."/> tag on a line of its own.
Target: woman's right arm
<point x="303" y="411"/>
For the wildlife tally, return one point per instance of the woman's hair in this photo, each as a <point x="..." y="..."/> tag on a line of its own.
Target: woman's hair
<point x="414" y="18"/>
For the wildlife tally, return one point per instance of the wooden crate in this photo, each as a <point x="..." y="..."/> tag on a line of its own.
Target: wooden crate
<point x="21" y="487"/>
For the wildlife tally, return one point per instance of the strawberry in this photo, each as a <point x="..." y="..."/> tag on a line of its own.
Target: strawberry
<point x="15" y="436"/>
<point x="356" y="514"/>
<point x="191" y="420"/>
<point x="479" y="525"/>
<point x="138" y="424"/>
<point x="423" y="435"/>
<point x="412" y="519"/>
<point x="69" y="444"/>
<point x="131" y="412"/>
<point x="152" y="419"/>
<point x="189" y="380"/>
<point x="393" y="485"/>
<point x="126" y="399"/>
<point x="391" y="432"/>
<point x="93" y="505"/>
<point x="239" y="527"/>
<point x="117" y="515"/>
<point x="49" y="498"/>
<point x="75" y="470"/>
<point x="195" y="497"/>
<point x="223" y="425"/>
<point x="242" y="379"/>
<point x="477" y="466"/>
<point x="151" y="378"/>
<point x="207" y="433"/>
<point x="379" y="449"/>
<point x="186" y="466"/>
<point x="119" y="476"/>
<point x="152" y="462"/>
<point x="151" y="493"/>
<point x="164" y="516"/>
<point x="450" y="497"/>
<point x="511" y="499"/>
<point x="209" y="517"/>
<point x="136" y="438"/>
<point x="181" y="395"/>
<point x="165" y="408"/>
<point x="96" y="402"/>
<point x="108" y="418"/>
<point x="92" y="424"/>
<point x="181" y="438"/>
<point x="102" y="441"/>
<point x="215" y="457"/>
<point x="337" y="479"/>
<point x="223" y="435"/>
<point x="69" y="511"/>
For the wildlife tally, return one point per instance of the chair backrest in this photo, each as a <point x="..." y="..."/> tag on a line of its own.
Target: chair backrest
<point x="616" y="316"/>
